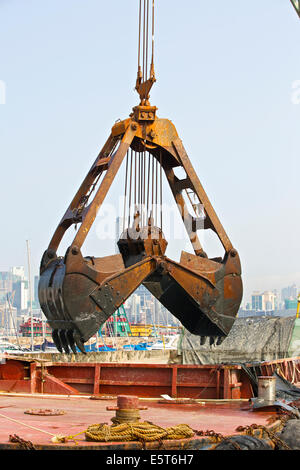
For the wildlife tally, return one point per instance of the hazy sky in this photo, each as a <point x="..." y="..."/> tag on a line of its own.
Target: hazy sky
<point x="228" y="76"/>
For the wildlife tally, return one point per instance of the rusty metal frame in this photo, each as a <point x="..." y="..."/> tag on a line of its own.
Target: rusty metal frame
<point x="78" y="294"/>
<point x="102" y="378"/>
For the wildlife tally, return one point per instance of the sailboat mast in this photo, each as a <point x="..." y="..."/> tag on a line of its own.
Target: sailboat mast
<point x="30" y="292"/>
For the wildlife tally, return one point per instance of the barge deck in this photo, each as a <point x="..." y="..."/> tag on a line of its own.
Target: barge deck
<point x="81" y="412"/>
<point x="211" y="398"/>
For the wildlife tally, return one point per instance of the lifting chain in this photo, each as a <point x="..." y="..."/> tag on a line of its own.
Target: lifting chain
<point x="251" y="430"/>
<point x="218" y="437"/>
<point x="26" y="445"/>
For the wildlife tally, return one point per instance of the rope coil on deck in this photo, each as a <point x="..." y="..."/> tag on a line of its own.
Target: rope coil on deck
<point x="145" y="432"/>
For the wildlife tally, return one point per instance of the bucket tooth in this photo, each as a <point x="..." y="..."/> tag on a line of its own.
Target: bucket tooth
<point x="63" y="339"/>
<point x="220" y="340"/>
<point x="79" y="344"/>
<point x="56" y="340"/>
<point x="70" y="338"/>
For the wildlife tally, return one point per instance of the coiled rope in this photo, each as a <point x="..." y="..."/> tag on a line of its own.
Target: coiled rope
<point x="133" y="431"/>
<point x="145" y="432"/>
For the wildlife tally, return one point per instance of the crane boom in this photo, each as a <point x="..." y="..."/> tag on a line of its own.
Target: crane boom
<point x="296" y="5"/>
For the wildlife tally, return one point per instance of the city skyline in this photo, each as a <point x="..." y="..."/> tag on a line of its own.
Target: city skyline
<point x="141" y="308"/>
<point x="285" y="292"/>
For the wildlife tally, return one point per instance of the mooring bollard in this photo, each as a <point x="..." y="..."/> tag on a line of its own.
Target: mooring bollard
<point x="127" y="409"/>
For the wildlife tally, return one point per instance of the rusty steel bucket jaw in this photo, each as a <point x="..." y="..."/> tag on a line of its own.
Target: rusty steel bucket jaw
<point x="79" y="294"/>
<point x="204" y="294"/>
<point x="65" y="333"/>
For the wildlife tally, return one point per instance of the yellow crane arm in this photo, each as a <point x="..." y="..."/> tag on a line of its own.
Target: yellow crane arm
<point x="296" y="5"/>
<point x="298" y="307"/>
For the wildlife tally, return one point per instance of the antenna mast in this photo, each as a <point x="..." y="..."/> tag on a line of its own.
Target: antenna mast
<point x="30" y="293"/>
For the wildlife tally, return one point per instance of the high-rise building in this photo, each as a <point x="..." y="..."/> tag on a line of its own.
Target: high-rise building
<point x="7" y="280"/>
<point x="18" y="272"/>
<point x="157" y="312"/>
<point x="21" y="295"/>
<point x="269" y="301"/>
<point x="6" y="284"/>
<point x="36" y="291"/>
<point x="265" y="301"/>
<point x="276" y="299"/>
<point x="290" y="304"/>
<point x="289" y="292"/>
<point x="135" y="308"/>
<point x="256" y="301"/>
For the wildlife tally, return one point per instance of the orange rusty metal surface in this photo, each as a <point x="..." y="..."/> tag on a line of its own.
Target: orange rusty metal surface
<point x="151" y="380"/>
<point x="143" y="380"/>
<point x="81" y="412"/>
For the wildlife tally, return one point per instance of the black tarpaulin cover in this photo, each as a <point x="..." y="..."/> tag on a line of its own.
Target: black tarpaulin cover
<point x="250" y="339"/>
